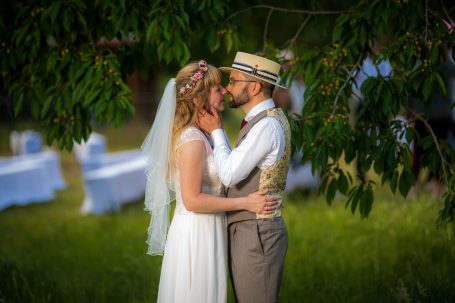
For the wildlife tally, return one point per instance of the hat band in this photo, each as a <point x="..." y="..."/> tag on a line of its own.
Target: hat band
<point x="255" y="72"/>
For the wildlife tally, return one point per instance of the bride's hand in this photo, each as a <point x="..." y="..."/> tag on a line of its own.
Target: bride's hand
<point x="259" y="202"/>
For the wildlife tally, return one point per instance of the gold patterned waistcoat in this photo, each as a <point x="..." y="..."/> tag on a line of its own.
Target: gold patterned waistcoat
<point x="273" y="177"/>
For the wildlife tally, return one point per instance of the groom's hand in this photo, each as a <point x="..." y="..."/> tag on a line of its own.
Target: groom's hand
<point x="208" y="122"/>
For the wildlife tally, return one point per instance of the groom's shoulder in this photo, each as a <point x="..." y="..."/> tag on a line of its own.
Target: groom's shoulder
<point x="270" y="124"/>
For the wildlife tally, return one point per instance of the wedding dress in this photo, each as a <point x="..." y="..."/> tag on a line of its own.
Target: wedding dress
<point x="194" y="265"/>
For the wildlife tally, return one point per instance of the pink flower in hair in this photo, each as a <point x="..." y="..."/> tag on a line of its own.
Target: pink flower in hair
<point x="198" y="76"/>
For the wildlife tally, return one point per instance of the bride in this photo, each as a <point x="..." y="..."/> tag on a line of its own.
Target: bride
<point x="180" y="166"/>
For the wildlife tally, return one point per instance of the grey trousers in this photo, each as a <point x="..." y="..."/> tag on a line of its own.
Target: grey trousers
<point x="257" y="249"/>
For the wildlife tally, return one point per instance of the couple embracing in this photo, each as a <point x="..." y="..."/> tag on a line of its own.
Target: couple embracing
<point x="228" y="201"/>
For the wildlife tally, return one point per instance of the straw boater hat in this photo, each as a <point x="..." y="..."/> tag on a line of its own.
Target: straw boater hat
<point x="255" y="66"/>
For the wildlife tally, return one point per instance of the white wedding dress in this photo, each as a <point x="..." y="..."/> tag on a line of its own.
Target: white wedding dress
<point x="194" y="265"/>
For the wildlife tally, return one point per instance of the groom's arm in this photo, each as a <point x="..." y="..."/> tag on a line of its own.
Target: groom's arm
<point x="235" y="165"/>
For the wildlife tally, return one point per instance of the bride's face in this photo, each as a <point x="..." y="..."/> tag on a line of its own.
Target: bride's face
<point x="216" y="97"/>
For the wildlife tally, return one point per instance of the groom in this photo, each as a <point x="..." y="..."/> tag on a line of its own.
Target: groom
<point x="260" y="159"/>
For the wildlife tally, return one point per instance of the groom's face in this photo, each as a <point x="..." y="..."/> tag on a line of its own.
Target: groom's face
<point x="238" y="89"/>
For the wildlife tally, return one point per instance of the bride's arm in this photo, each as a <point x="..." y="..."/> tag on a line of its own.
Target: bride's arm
<point x="191" y="165"/>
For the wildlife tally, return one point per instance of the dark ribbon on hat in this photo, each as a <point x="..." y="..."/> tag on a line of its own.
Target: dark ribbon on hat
<point x="254" y="71"/>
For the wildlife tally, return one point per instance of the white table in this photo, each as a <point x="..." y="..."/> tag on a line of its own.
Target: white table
<point x="107" y="159"/>
<point x="49" y="159"/>
<point x="25" y="182"/>
<point x="108" y="188"/>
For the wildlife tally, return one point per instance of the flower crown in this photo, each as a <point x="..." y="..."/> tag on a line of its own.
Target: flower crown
<point x="200" y="74"/>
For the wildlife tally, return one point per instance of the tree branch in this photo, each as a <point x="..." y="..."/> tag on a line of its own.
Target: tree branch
<point x="294" y="39"/>
<point x="433" y="136"/>
<point x="265" y="30"/>
<point x="285" y="10"/>
<point x="350" y="74"/>
<point x="358" y="97"/>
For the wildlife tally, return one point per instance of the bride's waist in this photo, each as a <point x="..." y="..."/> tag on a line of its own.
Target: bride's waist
<point x="184" y="212"/>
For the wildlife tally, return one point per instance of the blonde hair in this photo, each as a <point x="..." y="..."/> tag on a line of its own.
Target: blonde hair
<point x="186" y="111"/>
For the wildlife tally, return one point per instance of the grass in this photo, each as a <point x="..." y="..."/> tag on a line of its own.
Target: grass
<point x="51" y="253"/>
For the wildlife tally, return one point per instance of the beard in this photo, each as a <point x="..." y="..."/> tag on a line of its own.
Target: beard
<point x="240" y="99"/>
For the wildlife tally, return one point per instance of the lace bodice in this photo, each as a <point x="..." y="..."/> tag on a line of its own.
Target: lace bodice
<point x="211" y="184"/>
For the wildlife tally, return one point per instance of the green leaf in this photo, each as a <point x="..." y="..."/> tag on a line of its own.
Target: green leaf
<point x="151" y="31"/>
<point x="213" y="40"/>
<point x="185" y="17"/>
<point x="441" y="83"/>
<point x="426" y="89"/>
<point x="117" y="119"/>
<point x="100" y="107"/>
<point x="343" y="183"/>
<point x="69" y="141"/>
<point x="331" y="191"/>
<point x="51" y="134"/>
<point x="47" y="103"/>
<point x="337" y="32"/>
<point x="405" y="183"/>
<point x="165" y="25"/>
<point x="34" y="108"/>
<point x="79" y="4"/>
<point x="161" y="49"/>
<point x="77" y="131"/>
<point x="180" y="22"/>
<point x="366" y="202"/>
<point x="109" y="115"/>
<point x="176" y="48"/>
<point x="356" y="199"/>
<point x="168" y="56"/>
<point x="82" y="21"/>
<point x="90" y="96"/>
<point x="66" y="21"/>
<point x="18" y="103"/>
<point x="416" y="79"/>
<point x="37" y="36"/>
<point x="122" y="4"/>
<point x="228" y="42"/>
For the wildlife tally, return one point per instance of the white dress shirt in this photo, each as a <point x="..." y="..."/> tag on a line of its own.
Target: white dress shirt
<point x="263" y="145"/>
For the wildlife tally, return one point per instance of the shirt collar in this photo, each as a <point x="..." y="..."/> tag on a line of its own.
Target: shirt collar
<point x="266" y="104"/>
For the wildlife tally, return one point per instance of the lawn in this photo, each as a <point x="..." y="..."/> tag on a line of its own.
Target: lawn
<point x="51" y="253"/>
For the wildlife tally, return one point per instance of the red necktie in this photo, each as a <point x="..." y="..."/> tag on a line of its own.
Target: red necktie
<point x="243" y="123"/>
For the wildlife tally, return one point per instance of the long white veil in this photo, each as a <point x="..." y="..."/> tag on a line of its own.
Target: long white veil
<point x="159" y="193"/>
